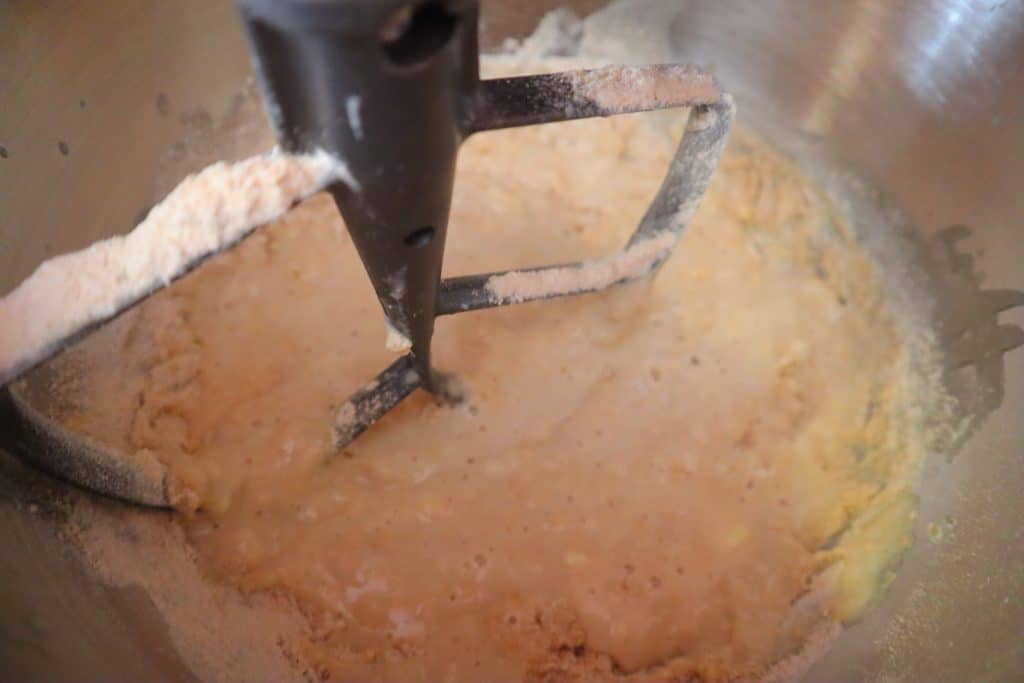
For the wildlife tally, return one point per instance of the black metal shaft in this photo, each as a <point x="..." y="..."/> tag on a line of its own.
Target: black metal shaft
<point x="380" y="86"/>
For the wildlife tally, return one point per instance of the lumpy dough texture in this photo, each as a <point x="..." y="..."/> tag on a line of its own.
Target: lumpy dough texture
<point x="689" y="477"/>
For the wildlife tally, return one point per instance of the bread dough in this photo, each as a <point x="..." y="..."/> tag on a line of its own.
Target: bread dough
<point x="694" y="476"/>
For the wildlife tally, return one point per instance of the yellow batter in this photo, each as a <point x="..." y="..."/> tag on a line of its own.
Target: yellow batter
<point x="686" y="478"/>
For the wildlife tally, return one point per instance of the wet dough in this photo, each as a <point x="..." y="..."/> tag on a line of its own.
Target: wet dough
<point x="688" y="477"/>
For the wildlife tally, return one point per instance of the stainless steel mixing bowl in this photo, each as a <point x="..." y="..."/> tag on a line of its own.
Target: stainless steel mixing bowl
<point x="923" y="99"/>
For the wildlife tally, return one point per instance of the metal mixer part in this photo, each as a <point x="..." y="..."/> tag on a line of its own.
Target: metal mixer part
<point x="669" y="214"/>
<point x="394" y="90"/>
<point x="42" y="441"/>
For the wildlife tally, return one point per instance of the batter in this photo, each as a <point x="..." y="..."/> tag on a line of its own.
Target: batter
<point x="686" y="479"/>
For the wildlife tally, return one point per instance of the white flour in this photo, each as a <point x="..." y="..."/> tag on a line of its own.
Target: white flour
<point x="206" y="213"/>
